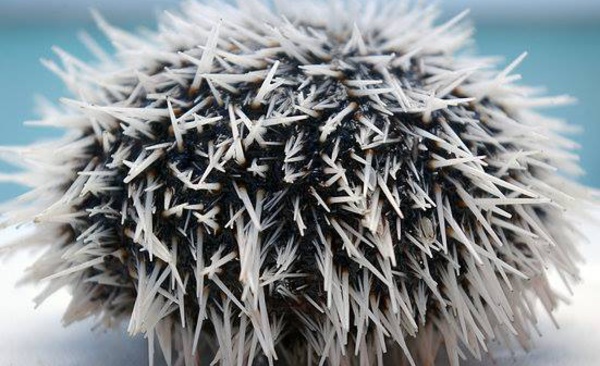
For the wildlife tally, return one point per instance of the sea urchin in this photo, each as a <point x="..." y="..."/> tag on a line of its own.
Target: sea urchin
<point x="329" y="185"/>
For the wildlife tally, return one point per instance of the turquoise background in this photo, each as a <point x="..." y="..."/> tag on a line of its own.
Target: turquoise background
<point x="563" y="57"/>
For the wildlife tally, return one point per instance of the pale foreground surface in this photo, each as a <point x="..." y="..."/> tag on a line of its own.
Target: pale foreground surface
<point x="30" y="336"/>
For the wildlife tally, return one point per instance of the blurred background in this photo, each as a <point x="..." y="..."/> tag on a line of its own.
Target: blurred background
<point x="563" y="41"/>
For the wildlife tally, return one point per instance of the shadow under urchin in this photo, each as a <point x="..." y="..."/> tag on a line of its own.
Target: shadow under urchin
<point x="329" y="185"/>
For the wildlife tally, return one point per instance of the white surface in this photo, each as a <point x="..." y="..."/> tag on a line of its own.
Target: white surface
<point x="36" y="337"/>
<point x="31" y="336"/>
<point x="577" y="342"/>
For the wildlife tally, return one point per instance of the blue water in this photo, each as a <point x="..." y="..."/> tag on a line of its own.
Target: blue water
<point x="563" y="58"/>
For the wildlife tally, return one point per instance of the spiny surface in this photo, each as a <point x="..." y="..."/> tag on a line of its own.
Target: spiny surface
<point x="325" y="186"/>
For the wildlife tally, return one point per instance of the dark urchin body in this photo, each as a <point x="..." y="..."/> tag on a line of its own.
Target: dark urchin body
<point x="303" y="190"/>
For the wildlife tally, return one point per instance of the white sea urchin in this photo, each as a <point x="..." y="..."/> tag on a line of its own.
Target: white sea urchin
<point x="331" y="185"/>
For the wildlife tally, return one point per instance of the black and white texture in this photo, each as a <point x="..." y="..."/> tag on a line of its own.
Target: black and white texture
<point x="321" y="182"/>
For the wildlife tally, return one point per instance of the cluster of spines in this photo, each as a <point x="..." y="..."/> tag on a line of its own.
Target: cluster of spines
<point x="350" y="182"/>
